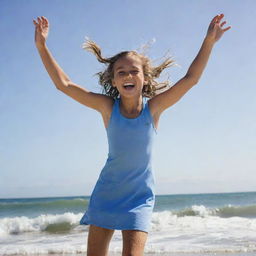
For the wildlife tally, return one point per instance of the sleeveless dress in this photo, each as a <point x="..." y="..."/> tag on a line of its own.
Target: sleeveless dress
<point x="124" y="195"/>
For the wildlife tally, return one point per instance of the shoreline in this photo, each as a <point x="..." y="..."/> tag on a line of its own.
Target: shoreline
<point x="167" y="254"/>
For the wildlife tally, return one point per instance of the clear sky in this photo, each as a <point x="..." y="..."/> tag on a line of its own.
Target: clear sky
<point x="51" y="145"/>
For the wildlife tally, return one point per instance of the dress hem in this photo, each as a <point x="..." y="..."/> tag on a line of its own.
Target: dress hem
<point x="114" y="228"/>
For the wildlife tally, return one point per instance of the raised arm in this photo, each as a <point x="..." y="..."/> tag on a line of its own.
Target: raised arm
<point x="169" y="97"/>
<point x="58" y="76"/>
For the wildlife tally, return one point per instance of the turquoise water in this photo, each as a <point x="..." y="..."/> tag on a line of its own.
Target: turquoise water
<point x="241" y="204"/>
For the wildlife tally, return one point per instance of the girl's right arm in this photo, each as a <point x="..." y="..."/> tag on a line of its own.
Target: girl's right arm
<point x="59" y="78"/>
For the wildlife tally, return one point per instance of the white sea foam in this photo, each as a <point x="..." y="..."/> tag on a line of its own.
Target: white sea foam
<point x="23" y="224"/>
<point x="169" y="234"/>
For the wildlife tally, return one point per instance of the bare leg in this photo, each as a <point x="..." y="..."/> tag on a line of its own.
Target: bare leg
<point x="98" y="241"/>
<point x="134" y="242"/>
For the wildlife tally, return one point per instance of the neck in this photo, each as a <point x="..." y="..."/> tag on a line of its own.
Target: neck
<point x="131" y="105"/>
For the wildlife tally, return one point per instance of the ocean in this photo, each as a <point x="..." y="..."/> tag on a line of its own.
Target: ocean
<point x="187" y="223"/>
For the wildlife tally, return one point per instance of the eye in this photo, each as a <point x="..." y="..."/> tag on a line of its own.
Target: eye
<point x="134" y="72"/>
<point x="121" y="73"/>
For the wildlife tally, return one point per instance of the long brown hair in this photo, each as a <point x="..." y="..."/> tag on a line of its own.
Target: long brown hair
<point x="150" y="73"/>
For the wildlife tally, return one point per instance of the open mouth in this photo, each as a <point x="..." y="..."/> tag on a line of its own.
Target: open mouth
<point x="129" y="86"/>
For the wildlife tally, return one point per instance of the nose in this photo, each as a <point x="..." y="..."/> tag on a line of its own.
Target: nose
<point x="128" y="74"/>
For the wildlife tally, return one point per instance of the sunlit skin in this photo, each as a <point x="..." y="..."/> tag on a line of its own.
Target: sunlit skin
<point x="128" y="69"/>
<point x="132" y="100"/>
<point x="215" y="30"/>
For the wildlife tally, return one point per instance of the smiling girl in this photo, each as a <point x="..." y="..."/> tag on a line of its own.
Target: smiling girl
<point x="123" y="197"/>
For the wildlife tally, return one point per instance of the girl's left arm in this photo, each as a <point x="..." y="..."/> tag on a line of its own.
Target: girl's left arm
<point x="214" y="33"/>
<point x="166" y="99"/>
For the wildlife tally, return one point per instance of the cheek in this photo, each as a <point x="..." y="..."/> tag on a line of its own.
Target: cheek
<point x="142" y="78"/>
<point x="114" y="80"/>
<point x="113" y="83"/>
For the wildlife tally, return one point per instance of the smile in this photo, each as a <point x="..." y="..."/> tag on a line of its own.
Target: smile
<point x="128" y="86"/>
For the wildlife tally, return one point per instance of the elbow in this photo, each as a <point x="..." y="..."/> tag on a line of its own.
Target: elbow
<point x="195" y="82"/>
<point x="62" y="85"/>
<point x="192" y="80"/>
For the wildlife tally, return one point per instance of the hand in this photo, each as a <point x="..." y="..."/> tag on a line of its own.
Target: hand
<point x="215" y="30"/>
<point x="41" y="31"/>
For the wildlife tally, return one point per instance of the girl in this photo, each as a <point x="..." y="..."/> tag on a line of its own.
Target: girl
<point x="123" y="197"/>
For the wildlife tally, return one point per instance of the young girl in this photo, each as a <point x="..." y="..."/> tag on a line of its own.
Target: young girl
<point x="123" y="197"/>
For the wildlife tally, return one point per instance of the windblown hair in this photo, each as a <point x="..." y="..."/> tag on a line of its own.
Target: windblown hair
<point x="150" y="73"/>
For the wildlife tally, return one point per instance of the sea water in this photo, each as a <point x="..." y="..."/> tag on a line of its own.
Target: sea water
<point x="187" y="223"/>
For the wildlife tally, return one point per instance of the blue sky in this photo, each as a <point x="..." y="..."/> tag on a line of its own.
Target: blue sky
<point x="51" y="145"/>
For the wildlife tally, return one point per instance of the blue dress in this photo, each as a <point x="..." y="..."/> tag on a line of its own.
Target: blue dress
<point x="123" y="197"/>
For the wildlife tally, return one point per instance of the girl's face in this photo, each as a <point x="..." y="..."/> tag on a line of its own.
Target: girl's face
<point x="128" y="76"/>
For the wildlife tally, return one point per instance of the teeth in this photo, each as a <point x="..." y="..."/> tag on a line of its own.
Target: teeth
<point x="128" y="84"/>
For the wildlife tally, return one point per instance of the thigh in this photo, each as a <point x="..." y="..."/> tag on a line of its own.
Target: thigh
<point x="98" y="241"/>
<point x="134" y="242"/>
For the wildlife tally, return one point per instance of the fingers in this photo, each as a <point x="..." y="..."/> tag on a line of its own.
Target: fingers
<point x="217" y="18"/>
<point x="224" y="22"/>
<point x="225" y="29"/>
<point x="44" y="21"/>
<point x="37" y="22"/>
<point x="41" y="22"/>
<point x="213" y="20"/>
